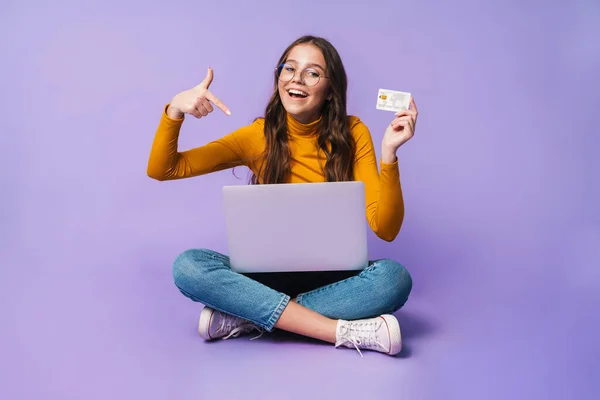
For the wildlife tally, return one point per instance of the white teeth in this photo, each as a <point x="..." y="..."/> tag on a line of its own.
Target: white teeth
<point x="298" y="92"/>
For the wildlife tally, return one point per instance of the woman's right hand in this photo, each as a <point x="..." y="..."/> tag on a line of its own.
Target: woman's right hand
<point x="196" y="101"/>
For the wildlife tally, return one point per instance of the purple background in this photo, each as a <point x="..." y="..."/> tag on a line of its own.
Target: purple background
<point x="502" y="229"/>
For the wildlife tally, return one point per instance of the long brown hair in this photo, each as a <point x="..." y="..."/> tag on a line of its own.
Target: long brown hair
<point x="334" y="138"/>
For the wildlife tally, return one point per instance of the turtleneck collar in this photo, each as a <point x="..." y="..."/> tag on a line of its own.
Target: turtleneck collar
<point x="300" y="129"/>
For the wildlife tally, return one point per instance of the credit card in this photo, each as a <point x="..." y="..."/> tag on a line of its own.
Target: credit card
<point x="393" y="100"/>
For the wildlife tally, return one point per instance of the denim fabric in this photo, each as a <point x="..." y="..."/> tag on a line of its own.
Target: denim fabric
<point x="205" y="276"/>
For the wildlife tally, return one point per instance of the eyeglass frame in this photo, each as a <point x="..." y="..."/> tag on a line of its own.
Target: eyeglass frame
<point x="278" y="74"/>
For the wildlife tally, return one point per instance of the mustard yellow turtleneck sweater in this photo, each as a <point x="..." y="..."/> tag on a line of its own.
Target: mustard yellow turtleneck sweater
<point x="384" y="202"/>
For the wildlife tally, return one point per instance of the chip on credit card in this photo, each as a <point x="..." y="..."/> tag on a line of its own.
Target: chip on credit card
<point x="393" y="100"/>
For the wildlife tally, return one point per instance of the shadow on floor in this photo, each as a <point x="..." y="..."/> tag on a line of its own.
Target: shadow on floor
<point x="412" y="326"/>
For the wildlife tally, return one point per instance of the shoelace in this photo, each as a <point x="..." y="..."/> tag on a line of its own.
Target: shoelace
<point x="244" y="328"/>
<point x="362" y="334"/>
<point x="229" y="322"/>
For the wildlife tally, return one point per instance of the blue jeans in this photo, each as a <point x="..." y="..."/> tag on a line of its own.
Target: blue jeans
<point x="205" y="276"/>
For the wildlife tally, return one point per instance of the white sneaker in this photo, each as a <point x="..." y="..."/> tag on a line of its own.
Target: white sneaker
<point x="380" y="334"/>
<point x="214" y="324"/>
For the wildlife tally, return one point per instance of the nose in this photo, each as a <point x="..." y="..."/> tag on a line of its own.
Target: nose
<point x="298" y="78"/>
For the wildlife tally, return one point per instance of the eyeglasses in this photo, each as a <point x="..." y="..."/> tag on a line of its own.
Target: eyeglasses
<point x="310" y="76"/>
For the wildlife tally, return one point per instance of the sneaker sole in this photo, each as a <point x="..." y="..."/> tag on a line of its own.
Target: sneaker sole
<point x="204" y="322"/>
<point x="395" y="335"/>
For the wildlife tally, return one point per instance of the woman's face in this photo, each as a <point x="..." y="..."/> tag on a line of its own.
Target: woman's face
<point x="305" y="102"/>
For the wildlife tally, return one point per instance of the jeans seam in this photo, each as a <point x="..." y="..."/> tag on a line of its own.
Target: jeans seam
<point x="277" y="313"/>
<point x="327" y="287"/>
<point x="370" y="268"/>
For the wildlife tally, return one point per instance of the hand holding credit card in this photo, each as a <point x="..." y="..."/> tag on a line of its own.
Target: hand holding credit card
<point x="392" y="100"/>
<point x="402" y="127"/>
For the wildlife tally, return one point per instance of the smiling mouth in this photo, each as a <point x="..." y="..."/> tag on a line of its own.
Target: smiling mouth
<point x="297" y="94"/>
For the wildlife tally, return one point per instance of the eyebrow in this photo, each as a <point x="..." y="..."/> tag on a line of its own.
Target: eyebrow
<point x="309" y="64"/>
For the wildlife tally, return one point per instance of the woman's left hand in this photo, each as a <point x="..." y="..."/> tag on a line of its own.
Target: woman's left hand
<point x="401" y="130"/>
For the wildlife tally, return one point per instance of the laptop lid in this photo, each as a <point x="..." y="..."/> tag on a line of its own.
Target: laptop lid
<point x="296" y="227"/>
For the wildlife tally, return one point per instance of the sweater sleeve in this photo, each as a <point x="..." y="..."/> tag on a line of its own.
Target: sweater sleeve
<point x="166" y="162"/>
<point x="383" y="192"/>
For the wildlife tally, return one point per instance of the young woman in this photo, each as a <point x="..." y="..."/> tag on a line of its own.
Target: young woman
<point x="305" y="136"/>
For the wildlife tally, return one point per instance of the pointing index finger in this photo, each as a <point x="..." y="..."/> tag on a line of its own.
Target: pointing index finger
<point x="217" y="102"/>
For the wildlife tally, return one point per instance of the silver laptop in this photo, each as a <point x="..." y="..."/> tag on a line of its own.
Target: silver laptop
<point x="296" y="227"/>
